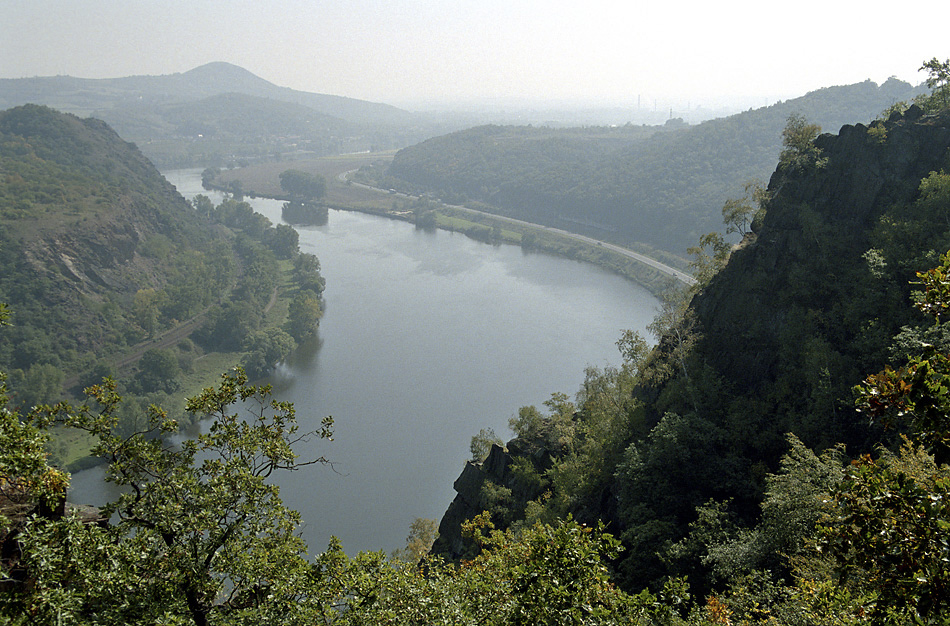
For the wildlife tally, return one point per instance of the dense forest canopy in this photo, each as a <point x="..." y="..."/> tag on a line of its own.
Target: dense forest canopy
<point x="99" y="253"/>
<point x="88" y="225"/>
<point x="678" y="447"/>
<point x="663" y="186"/>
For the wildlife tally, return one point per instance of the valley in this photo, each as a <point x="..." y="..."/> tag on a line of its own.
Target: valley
<point x="756" y="435"/>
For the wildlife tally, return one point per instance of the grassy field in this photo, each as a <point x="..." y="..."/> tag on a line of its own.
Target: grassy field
<point x="263" y="179"/>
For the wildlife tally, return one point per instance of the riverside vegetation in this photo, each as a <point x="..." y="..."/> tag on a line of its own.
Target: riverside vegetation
<point x="707" y="481"/>
<point x="110" y="272"/>
<point x="369" y="195"/>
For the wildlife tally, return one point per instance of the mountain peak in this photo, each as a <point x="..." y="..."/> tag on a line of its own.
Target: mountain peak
<point x="220" y="68"/>
<point x="220" y="76"/>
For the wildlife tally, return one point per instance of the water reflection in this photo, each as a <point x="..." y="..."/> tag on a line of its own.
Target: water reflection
<point x="427" y="338"/>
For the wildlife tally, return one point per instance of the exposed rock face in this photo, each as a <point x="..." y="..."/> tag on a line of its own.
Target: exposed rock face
<point x="783" y="333"/>
<point x="468" y="503"/>
<point x="75" y="230"/>
<point x="864" y="175"/>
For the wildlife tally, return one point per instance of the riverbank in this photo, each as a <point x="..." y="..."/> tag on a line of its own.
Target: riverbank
<point x="343" y="193"/>
<point x="428" y="337"/>
<point x="204" y="370"/>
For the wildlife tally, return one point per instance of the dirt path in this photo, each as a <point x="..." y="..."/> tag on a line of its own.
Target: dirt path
<point x="165" y="340"/>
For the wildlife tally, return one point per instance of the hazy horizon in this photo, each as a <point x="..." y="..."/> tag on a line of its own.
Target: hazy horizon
<point x="429" y="53"/>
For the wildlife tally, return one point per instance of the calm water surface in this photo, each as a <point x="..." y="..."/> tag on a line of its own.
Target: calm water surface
<point x="427" y="338"/>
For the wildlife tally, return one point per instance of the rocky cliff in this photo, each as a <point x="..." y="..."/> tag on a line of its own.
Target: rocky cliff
<point x="805" y="283"/>
<point x="811" y="303"/>
<point x="86" y="221"/>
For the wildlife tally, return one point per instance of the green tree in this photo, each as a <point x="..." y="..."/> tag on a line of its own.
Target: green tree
<point x="304" y="315"/>
<point x="202" y="536"/>
<point x="482" y="443"/>
<point x="208" y="176"/>
<point x="798" y="140"/>
<point x="203" y="205"/>
<point x="918" y="393"/>
<point x="676" y="324"/>
<point x="229" y="325"/>
<point x="158" y="371"/>
<point x="307" y="273"/>
<point x="547" y="575"/>
<point x="544" y="574"/>
<point x="147" y="305"/>
<point x="709" y="257"/>
<point x="740" y="213"/>
<point x="303" y="185"/>
<point x="422" y="534"/>
<point x="889" y="528"/>
<point x="283" y="241"/>
<point x="265" y="348"/>
<point x="938" y="80"/>
<point x="889" y="536"/>
<point x="42" y="383"/>
<point x="236" y="189"/>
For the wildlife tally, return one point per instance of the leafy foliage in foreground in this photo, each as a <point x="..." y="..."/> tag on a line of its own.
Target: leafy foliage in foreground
<point x="202" y="537"/>
<point x="201" y="533"/>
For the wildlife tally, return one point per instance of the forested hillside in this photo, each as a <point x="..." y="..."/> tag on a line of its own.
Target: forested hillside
<point x="677" y="449"/>
<point x="218" y="113"/>
<point x="664" y="186"/>
<point x="88" y="231"/>
<point x="99" y="253"/>
<point x="707" y="481"/>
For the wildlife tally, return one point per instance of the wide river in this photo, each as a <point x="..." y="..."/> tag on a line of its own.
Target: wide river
<point x="428" y="337"/>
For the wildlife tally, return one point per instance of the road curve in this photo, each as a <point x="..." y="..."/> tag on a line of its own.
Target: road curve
<point x="662" y="267"/>
<point x="642" y="258"/>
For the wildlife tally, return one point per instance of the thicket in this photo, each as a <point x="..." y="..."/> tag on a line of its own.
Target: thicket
<point x="678" y="448"/>
<point x="202" y="536"/>
<point x="99" y="254"/>
<point x="96" y="250"/>
<point x="235" y="325"/>
<point x="704" y="493"/>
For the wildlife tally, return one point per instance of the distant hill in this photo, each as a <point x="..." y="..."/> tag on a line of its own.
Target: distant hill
<point x="86" y="96"/>
<point x="219" y="112"/>
<point x="230" y="116"/>
<point x="664" y="186"/>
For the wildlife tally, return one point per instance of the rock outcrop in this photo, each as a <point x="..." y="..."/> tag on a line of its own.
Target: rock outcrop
<point x="818" y="223"/>
<point x="802" y="312"/>
<point x="469" y="501"/>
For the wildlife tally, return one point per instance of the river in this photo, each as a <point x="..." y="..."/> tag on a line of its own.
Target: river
<point x="427" y="338"/>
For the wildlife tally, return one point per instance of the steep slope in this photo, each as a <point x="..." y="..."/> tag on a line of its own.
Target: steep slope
<point x="86" y="223"/>
<point x="805" y="308"/>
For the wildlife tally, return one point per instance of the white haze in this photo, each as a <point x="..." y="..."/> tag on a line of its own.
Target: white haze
<point x="427" y="54"/>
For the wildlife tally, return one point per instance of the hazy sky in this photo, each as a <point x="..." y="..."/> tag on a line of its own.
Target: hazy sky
<point x="412" y="51"/>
